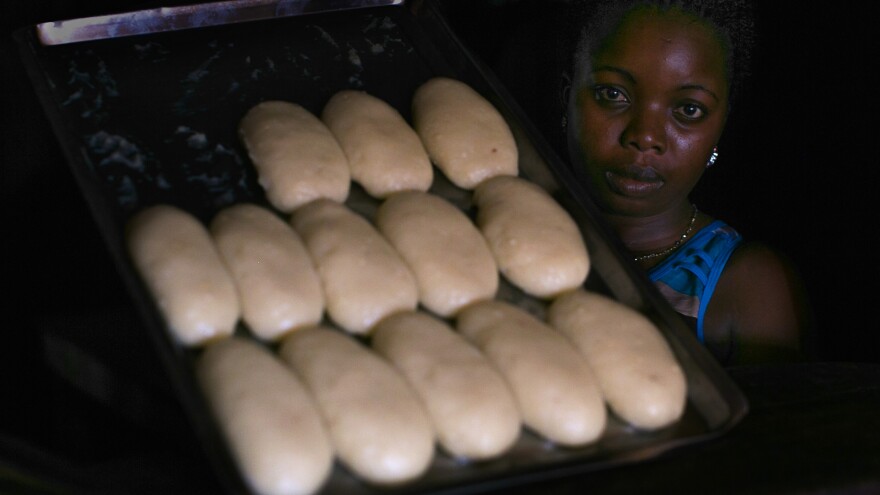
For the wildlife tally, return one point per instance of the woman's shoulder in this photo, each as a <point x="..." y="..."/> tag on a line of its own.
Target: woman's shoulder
<point x="760" y="304"/>
<point x="756" y="255"/>
<point x="762" y="268"/>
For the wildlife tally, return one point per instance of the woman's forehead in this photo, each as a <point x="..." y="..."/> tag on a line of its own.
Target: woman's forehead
<point x="679" y="41"/>
<point x="653" y="26"/>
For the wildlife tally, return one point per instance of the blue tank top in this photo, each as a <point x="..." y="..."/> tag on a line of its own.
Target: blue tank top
<point x="687" y="279"/>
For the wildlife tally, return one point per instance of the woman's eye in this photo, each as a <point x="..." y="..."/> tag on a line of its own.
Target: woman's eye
<point x="691" y="111"/>
<point x="609" y="94"/>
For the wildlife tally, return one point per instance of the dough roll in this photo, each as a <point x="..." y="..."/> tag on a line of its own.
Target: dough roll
<point x="465" y="135"/>
<point x="363" y="277"/>
<point x="474" y="412"/>
<point x="449" y="257"/>
<point x="557" y="393"/>
<point x="536" y="243"/>
<point x="270" y="421"/>
<point x="276" y="279"/>
<point x="384" y="153"/>
<point x="179" y="263"/>
<point x="378" y="426"/>
<point x="296" y="157"/>
<point x="639" y="375"/>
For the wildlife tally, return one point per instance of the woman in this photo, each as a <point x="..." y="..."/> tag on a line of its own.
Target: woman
<point x="649" y="100"/>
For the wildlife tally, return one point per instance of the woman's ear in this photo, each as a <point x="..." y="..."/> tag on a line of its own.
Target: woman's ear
<point x="564" y="87"/>
<point x="564" y="93"/>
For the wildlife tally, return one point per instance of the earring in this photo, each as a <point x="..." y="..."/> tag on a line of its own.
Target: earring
<point x="713" y="157"/>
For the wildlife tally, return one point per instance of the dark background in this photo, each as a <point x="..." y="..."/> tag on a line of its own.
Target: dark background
<point x="798" y="170"/>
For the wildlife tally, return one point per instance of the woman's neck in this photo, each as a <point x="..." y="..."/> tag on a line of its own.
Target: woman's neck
<point x="651" y="239"/>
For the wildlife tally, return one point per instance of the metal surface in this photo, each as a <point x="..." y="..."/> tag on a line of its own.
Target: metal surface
<point x="187" y="17"/>
<point x="154" y="119"/>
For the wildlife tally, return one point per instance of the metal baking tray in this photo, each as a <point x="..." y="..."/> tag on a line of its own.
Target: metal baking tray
<point x="152" y="117"/>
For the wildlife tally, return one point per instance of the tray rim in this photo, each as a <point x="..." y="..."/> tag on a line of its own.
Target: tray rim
<point x="188" y="16"/>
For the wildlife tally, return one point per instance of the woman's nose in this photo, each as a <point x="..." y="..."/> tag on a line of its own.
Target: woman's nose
<point x="646" y="131"/>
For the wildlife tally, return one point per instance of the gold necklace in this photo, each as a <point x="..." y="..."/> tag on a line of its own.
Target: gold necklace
<point x="677" y="244"/>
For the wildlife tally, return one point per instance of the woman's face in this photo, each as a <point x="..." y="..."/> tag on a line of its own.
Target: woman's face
<point x="654" y="109"/>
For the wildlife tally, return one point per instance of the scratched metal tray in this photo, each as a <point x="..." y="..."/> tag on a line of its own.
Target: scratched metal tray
<point x="147" y="112"/>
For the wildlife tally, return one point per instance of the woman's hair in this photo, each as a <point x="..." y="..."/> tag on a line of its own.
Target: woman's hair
<point x="592" y="21"/>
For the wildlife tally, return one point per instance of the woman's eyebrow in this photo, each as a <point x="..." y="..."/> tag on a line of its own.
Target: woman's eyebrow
<point x="616" y="70"/>
<point x="700" y="87"/>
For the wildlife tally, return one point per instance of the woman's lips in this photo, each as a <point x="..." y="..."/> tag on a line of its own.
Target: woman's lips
<point x="636" y="183"/>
